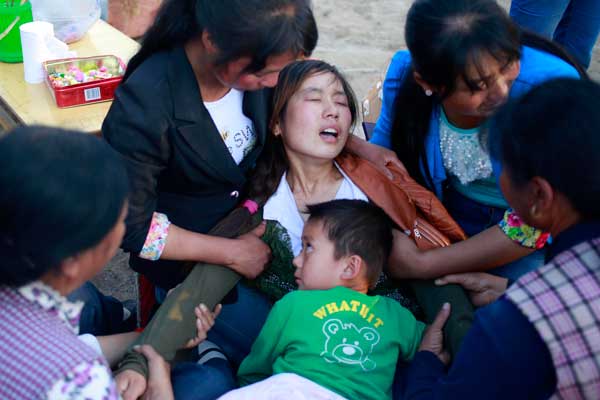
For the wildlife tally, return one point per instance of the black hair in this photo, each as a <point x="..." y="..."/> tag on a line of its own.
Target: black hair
<point x="553" y="132"/>
<point x="252" y="28"/>
<point x="443" y="38"/>
<point x="356" y="227"/>
<point x="62" y="192"/>
<point x="273" y="161"/>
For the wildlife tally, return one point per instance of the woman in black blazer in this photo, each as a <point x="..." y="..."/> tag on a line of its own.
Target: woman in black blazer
<point x="197" y="89"/>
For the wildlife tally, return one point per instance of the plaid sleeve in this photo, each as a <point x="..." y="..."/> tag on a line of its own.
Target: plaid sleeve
<point x="156" y="238"/>
<point x="521" y="233"/>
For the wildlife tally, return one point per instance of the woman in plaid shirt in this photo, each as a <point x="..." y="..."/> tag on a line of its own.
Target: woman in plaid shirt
<point x="541" y="339"/>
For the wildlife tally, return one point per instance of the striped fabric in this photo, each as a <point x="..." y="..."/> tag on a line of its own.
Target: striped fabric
<point x="36" y="348"/>
<point x="562" y="301"/>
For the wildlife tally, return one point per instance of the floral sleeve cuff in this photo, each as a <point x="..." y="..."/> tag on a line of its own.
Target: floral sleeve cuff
<point x="521" y="233"/>
<point x="156" y="238"/>
<point x="90" y="381"/>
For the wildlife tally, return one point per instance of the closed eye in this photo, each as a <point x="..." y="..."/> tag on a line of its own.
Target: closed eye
<point x="340" y="99"/>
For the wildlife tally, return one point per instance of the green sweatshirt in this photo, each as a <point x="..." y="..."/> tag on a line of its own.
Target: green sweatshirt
<point x="343" y="340"/>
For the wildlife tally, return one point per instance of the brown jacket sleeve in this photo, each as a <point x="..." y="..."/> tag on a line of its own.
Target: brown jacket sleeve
<point x="408" y="204"/>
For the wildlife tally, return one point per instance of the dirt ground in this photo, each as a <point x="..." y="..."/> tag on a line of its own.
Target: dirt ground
<point x="360" y="37"/>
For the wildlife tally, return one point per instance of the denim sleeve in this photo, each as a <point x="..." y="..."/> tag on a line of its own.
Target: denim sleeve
<point x="397" y="70"/>
<point x="502" y="357"/>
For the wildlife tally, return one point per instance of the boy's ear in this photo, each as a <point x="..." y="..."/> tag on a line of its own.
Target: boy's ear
<point x="353" y="268"/>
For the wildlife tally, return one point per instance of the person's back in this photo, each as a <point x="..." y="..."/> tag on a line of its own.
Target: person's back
<point x="56" y="233"/>
<point x="32" y="364"/>
<point x="559" y="300"/>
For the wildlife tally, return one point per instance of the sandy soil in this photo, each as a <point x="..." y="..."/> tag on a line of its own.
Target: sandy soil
<point x="360" y="37"/>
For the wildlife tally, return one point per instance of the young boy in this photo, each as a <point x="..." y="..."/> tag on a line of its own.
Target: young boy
<point x="330" y="339"/>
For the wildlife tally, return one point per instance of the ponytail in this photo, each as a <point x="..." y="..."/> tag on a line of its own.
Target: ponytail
<point x="409" y="133"/>
<point x="270" y="167"/>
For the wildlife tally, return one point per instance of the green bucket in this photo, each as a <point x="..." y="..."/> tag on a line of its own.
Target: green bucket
<point x="12" y="16"/>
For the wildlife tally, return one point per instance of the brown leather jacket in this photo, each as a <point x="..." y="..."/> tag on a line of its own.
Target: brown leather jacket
<point x="412" y="207"/>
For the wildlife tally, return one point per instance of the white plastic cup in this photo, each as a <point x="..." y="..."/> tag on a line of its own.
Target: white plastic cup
<point x="34" y="36"/>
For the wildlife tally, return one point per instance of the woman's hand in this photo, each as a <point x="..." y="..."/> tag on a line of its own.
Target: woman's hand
<point x="159" y="375"/>
<point x="130" y="384"/>
<point x="433" y="339"/>
<point x="205" y="319"/>
<point x="377" y="155"/>
<point x="483" y="288"/>
<point x="249" y="254"/>
<point x="406" y="260"/>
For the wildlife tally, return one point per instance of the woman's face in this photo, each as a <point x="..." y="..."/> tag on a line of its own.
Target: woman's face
<point x="233" y="74"/>
<point x="317" y="119"/>
<point x="494" y="80"/>
<point x="98" y="256"/>
<point x="519" y="197"/>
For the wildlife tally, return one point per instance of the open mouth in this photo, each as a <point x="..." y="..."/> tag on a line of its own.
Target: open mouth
<point x="329" y="135"/>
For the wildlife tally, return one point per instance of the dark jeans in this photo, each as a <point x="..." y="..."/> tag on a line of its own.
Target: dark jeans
<point x="101" y="315"/>
<point x="239" y="323"/>
<point x="207" y="381"/>
<point x="475" y="217"/>
<point x="235" y="330"/>
<point x="574" y="24"/>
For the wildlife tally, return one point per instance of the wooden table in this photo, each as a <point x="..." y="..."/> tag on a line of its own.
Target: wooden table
<point x="25" y="103"/>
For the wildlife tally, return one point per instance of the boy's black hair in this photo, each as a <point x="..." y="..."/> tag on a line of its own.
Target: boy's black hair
<point x="356" y="227"/>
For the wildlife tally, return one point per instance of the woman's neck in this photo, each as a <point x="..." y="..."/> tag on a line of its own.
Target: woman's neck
<point x="211" y="89"/>
<point x="313" y="182"/>
<point x="59" y="283"/>
<point x="564" y="216"/>
<point x="464" y="121"/>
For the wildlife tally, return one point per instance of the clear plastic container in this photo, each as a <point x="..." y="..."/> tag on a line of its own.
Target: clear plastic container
<point x="71" y="18"/>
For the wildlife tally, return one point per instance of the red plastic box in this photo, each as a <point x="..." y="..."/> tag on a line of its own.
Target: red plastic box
<point x="86" y="92"/>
